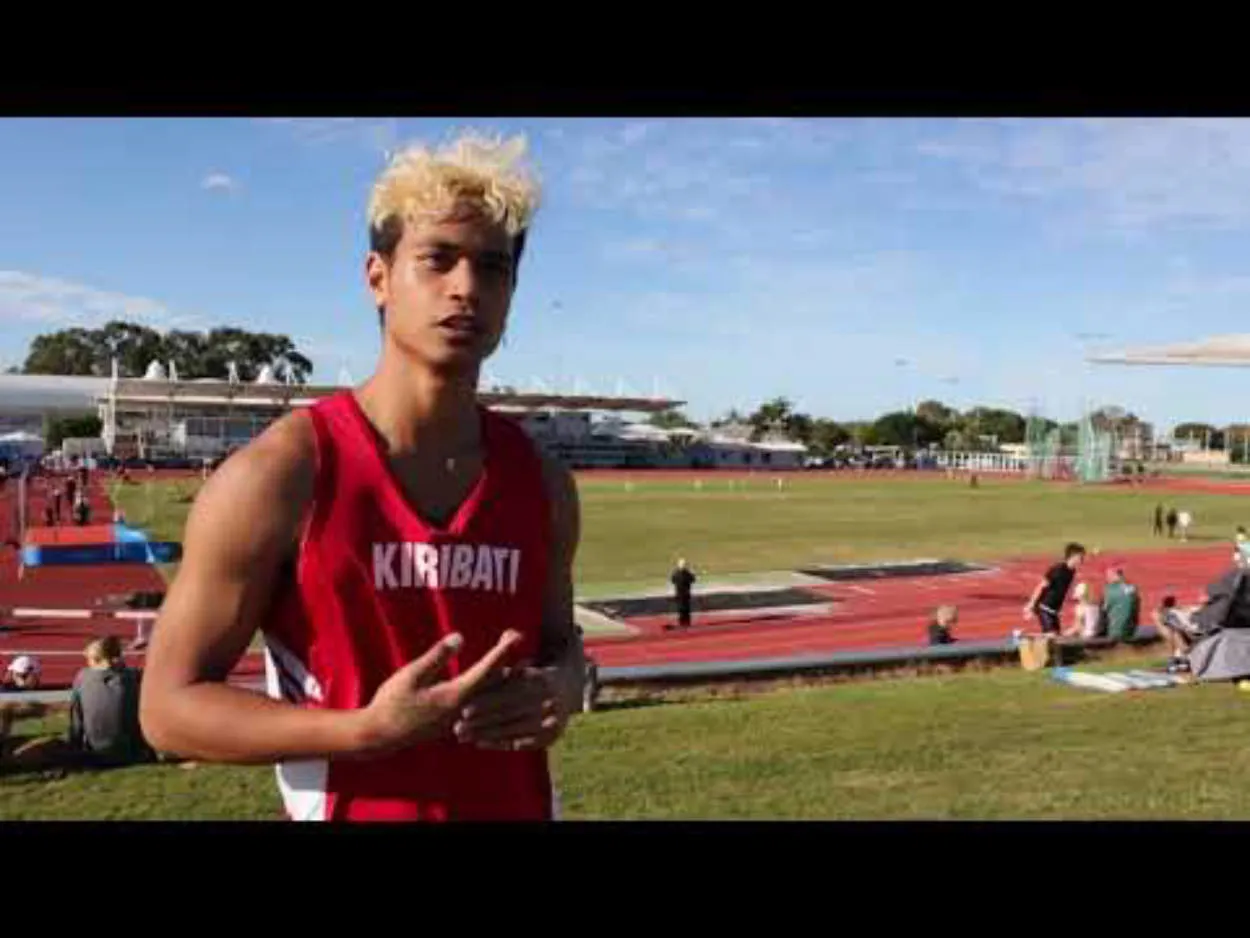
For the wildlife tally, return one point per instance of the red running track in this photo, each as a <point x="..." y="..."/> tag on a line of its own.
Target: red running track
<point x="866" y="614"/>
<point x="57" y="641"/>
<point x="893" y="613"/>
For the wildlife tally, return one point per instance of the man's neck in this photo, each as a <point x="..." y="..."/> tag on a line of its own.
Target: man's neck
<point x="406" y="402"/>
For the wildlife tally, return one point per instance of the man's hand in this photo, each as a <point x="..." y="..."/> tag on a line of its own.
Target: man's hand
<point x="522" y="710"/>
<point x="415" y="704"/>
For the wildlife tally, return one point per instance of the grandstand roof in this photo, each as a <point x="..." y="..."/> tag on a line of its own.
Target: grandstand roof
<point x="138" y="390"/>
<point x="38" y="394"/>
<point x="44" y="393"/>
<point x="1218" y="351"/>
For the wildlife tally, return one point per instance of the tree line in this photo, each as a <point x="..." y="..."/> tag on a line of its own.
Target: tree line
<point x="194" y="355"/>
<point x="933" y="423"/>
<point x="208" y="354"/>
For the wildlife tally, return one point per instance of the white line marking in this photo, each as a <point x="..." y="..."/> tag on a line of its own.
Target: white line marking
<point x="862" y="589"/>
<point x="24" y="613"/>
<point x="52" y="613"/>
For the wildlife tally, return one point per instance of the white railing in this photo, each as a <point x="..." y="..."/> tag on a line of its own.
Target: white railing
<point x="983" y="462"/>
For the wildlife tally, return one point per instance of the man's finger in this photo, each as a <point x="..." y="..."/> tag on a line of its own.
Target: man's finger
<point x="523" y="744"/>
<point x="515" y="697"/>
<point x="534" y="725"/>
<point x="521" y="724"/>
<point x="525" y="726"/>
<point x="427" y="669"/>
<point x="469" y="680"/>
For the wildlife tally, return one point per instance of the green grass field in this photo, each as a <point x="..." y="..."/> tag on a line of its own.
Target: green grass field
<point x="1002" y="744"/>
<point x="632" y="536"/>
<point x="999" y="745"/>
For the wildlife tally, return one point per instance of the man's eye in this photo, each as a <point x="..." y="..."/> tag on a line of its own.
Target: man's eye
<point x="497" y="266"/>
<point x="438" y="260"/>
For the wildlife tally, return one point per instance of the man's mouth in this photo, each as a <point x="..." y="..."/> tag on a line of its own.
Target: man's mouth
<point x="461" y="326"/>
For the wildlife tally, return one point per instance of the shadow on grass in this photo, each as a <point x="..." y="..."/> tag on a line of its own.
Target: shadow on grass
<point x="633" y="703"/>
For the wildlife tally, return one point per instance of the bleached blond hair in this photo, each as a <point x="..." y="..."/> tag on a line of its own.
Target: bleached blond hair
<point x="472" y="173"/>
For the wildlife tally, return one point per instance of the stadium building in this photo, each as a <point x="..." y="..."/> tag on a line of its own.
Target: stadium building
<point x="158" y="418"/>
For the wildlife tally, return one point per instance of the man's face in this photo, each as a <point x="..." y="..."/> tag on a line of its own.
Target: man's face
<point x="446" y="290"/>
<point x="27" y="681"/>
<point x="1075" y="561"/>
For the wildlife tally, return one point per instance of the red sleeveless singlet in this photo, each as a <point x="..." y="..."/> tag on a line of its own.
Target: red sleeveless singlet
<point x="375" y="586"/>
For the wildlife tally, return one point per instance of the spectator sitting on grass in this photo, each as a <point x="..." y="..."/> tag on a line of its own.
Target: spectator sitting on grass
<point x="1178" y="629"/>
<point x="1087" y="614"/>
<point x="23" y="673"/>
<point x="104" y="708"/>
<point x="1121" y="605"/>
<point x="14" y="751"/>
<point x="944" y="619"/>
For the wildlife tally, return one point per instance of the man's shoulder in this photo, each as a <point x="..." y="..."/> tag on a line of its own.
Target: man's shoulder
<point x="282" y="457"/>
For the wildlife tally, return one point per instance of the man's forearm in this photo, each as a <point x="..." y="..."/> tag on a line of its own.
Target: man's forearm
<point x="215" y="722"/>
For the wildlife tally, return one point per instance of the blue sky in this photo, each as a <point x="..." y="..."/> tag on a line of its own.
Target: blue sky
<point x="852" y="265"/>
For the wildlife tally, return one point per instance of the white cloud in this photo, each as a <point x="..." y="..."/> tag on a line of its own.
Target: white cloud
<point x="1128" y="175"/>
<point x="219" y="181"/>
<point x="378" y="134"/>
<point x="49" y="301"/>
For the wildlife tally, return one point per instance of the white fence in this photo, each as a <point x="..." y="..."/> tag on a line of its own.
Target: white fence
<point x="983" y="462"/>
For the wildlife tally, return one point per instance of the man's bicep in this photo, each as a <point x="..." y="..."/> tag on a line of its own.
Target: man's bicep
<point x="237" y="538"/>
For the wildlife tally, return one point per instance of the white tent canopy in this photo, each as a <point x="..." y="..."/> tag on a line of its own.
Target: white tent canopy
<point x="1219" y="351"/>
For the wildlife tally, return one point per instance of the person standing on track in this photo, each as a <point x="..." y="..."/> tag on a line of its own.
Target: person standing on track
<point x="1171" y="520"/>
<point x="58" y="494"/>
<point x="1183" y="520"/>
<point x="82" y="510"/>
<point x="1046" y="602"/>
<point x="1158" y="530"/>
<point x="683" y="580"/>
<point x="406" y="553"/>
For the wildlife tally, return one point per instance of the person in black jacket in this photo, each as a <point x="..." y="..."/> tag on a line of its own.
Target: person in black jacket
<point x="683" y="583"/>
<point x="1047" y="599"/>
<point x="944" y="619"/>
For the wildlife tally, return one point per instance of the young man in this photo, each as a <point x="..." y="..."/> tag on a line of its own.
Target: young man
<point x="1122" y="605"/>
<point x="1048" y="596"/>
<point x="406" y="553"/>
<point x="1158" y="529"/>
